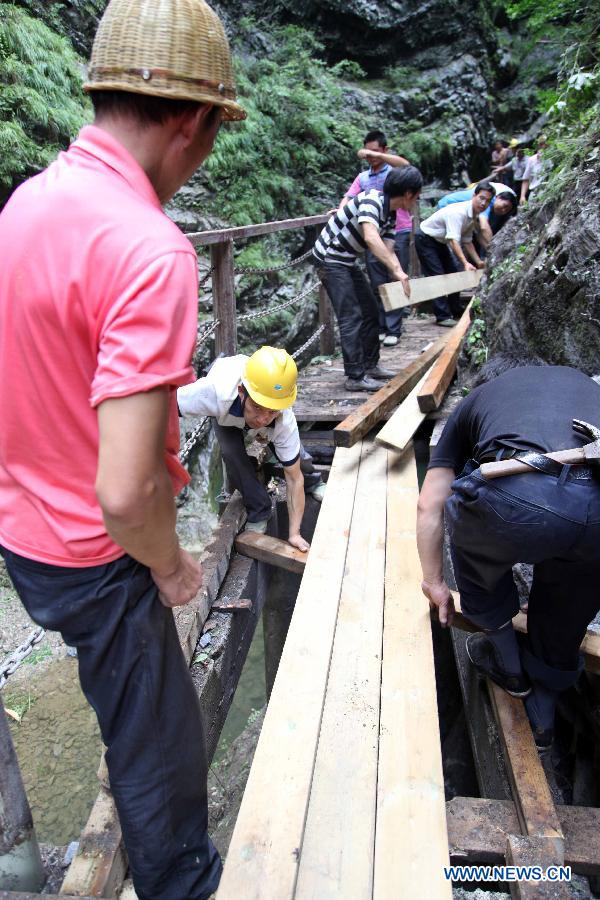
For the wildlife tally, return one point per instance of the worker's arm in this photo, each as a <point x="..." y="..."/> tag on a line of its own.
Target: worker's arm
<point x="294" y="480"/>
<point x="392" y="159"/>
<point x="485" y="232"/>
<point x="135" y="492"/>
<point x="458" y="252"/>
<point x="430" y="540"/>
<point x="524" y="190"/>
<point x="384" y="252"/>
<point x="474" y="256"/>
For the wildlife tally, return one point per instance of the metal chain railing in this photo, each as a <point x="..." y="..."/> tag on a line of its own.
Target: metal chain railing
<point x="260" y="313"/>
<point x="307" y="343"/>
<point x="251" y="270"/>
<point x="197" y="434"/>
<point x="12" y="662"/>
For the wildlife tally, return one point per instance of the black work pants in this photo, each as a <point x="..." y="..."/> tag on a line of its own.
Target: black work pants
<point x="551" y="522"/>
<point x="243" y="474"/>
<point x="357" y="315"/>
<point x="436" y="259"/>
<point x="135" y="677"/>
<point x="389" y="322"/>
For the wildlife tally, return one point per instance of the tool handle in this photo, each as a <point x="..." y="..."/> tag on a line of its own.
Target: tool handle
<point x="516" y="467"/>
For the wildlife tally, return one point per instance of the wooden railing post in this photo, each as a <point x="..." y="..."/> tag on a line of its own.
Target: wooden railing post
<point x="223" y="288"/>
<point x="327" y="336"/>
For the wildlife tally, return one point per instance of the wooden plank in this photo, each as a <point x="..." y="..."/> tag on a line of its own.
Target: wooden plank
<point x="590" y="646"/>
<point x="533" y="800"/>
<point x="271" y="550"/>
<point x="337" y="850"/>
<point x="223" y="291"/>
<point x="263" y="855"/>
<point x="202" y="238"/>
<point x="100" y="863"/>
<point x="535" y="851"/>
<point x="478" y="828"/>
<point x="363" y="419"/>
<point x="411" y="843"/>
<point x="422" y="289"/>
<point x="442" y="372"/>
<point x="399" y="429"/>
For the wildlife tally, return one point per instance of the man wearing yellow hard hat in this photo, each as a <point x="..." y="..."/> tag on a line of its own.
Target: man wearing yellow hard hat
<point x="253" y="397"/>
<point x="108" y="306"/>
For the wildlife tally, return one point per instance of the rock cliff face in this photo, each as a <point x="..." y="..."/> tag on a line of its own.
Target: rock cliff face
<point x="542" y="300"/>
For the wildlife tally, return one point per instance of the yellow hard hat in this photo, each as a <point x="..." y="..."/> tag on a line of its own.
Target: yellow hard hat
<point x="514" y="142"/>
<point x="176" y="49"/>
<point x="270" y="378"/>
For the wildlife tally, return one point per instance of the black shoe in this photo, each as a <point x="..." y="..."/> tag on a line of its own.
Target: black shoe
<point x="483" y="655"/>
<point x="543" y="737"/>
<point x="380" y="374"/>
<point x="362" y="384"/>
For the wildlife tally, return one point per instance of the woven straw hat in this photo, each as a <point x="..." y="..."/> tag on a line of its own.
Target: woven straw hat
<point x="175" y="49"/>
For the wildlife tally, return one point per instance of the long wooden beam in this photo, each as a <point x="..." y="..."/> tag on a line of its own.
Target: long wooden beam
<point x="271" y="550"/>
<point x="399" y="429"/>
<point x="590" y="646"/>
<point x="218" y="236"/>
<point x="100" y="863"/>
<point x="442" y="372"/>
<point x="478" y="829"/>
<point x="365" y="417"/>
<point x="422" y="289"/>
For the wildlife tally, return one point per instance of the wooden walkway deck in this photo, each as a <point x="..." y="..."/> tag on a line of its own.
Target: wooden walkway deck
<point x="345" y="797"/>
<point x="322" y="396"/>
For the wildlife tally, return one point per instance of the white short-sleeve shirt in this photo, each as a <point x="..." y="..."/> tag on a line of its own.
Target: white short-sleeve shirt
<point x="217" y="395"/>
<point x="453" y="222"/>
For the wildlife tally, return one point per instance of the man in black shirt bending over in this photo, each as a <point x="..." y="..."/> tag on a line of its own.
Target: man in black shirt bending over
<point x="550" y="520"/>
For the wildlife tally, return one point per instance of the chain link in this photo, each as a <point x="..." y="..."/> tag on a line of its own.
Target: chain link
<point x="273" y="309"/>
<point x="250" y="270"/>
<point x="12" y="662"/>
<point x="307" y="343"/>
<point x="203" y="280"/>
<point x="199" y="431"/>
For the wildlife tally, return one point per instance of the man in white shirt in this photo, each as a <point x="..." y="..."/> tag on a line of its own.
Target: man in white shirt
<point x="252" y="397"/>
<point x="452" y="229"/>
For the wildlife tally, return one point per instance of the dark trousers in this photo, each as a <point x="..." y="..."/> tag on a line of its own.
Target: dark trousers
<point x="551" y="522"/>
<point x="389" y="322"/>
<point x="243" y="475"/>
<point x="135" y="677"/>
<point x="436" y="259"/>
<point x="357" y="315"/>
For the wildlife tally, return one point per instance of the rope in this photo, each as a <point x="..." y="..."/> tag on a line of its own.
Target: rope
<point x="307" y="343"/>
<point x="251" y="270"/>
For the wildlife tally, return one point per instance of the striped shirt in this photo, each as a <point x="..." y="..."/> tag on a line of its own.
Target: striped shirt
<point x="342" y="239"/>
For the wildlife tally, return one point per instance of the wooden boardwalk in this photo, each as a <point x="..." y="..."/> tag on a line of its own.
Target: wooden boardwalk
<point x="345" y="797"/>
<point x="322" y="396"/>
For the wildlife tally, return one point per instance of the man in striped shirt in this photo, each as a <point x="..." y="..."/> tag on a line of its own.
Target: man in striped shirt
<point x="366" y="221"/>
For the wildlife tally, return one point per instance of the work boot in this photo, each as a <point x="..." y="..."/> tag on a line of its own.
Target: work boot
<point x="318" y="492"/>
<point x="362" y="384"/>
<point x="390" y="340"/>
<point x="379" y="373"/>
<point x="257" y="527"/>
<point x="486" y="659"/>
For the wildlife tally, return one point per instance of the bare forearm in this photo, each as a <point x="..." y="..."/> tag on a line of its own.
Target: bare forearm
<point x="385" y="255"/>
<point x="473" y="255"/>
<point x="295" y="504"/>
<point x="430" y="542"/>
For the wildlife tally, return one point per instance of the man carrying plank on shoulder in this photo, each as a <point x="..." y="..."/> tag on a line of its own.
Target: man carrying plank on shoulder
<point x="365" y="221"/>
<point x="252" y="397"/>
<point x="548" y="514"/>
<point x="445" y="233"/>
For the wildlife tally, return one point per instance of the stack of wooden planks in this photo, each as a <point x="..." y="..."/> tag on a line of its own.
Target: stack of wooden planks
<point x="345" y="796"/>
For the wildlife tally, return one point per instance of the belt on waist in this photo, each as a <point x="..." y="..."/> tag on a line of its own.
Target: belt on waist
<point x="541" y="463"/>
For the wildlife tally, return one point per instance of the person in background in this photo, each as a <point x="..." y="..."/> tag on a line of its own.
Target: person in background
<point x="516" y="169"/>
<point x="535" y="171"/>
<point x="498" y="154"/>
<point x="251" y="398"/>
<point x="375" y="151"/>
<point x="548" y="516"/>
<point x="365" y="221"/>
<point x="440" y="241"/>
<point x="107" y="308"/>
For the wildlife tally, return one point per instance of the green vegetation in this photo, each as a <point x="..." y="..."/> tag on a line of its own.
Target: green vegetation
<point x="16" y="705"/>
<point x="293" y="152"/>
<point x="42" y="105"/>
<point x="475" y="346"/>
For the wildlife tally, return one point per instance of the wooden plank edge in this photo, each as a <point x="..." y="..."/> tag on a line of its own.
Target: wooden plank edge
<point x="438" y="381"/>
<point x="388" y="436"/>
<point x="393" y="296"/>
<point x="271" y="550"/>
<point x="369" y="413"/>
<point x="100" y="863"/>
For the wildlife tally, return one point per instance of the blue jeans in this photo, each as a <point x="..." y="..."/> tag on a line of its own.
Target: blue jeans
<point x="551" y="522"/>
<point x="135" y="677"/>
<point x="389" y="322"/>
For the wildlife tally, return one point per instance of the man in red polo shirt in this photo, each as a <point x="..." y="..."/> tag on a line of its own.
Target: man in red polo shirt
<point x="98" y="318"/>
